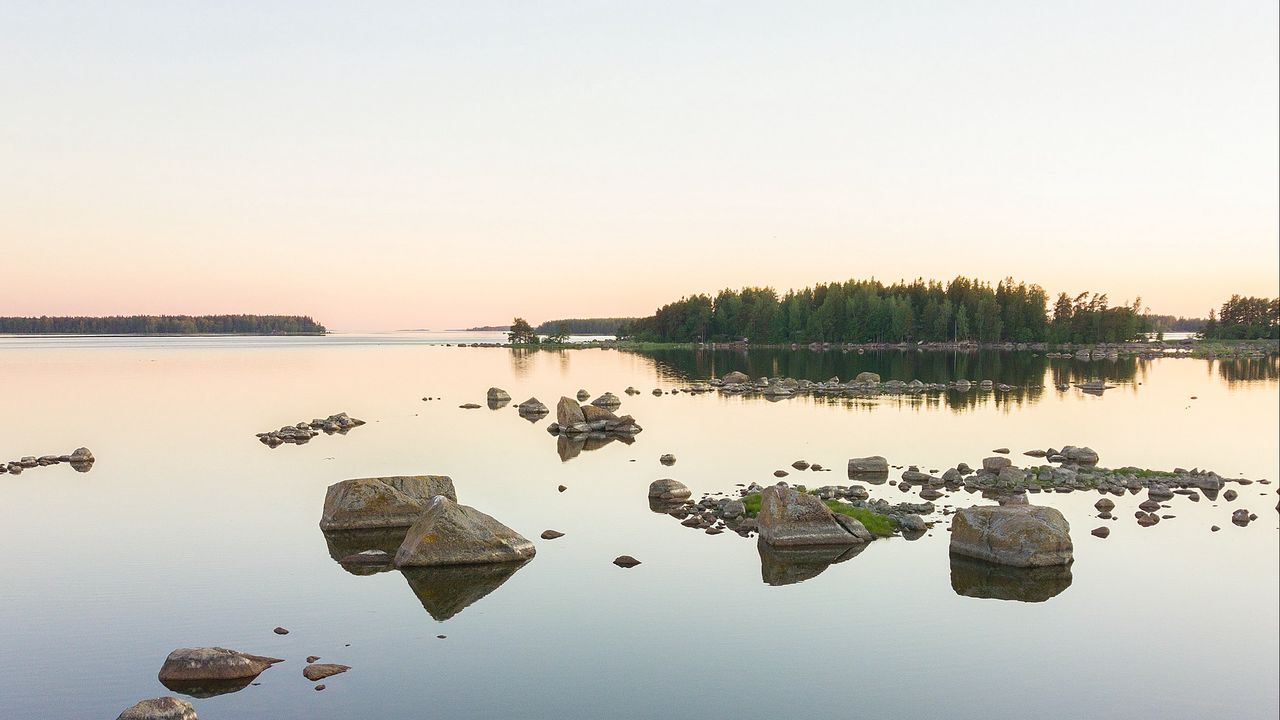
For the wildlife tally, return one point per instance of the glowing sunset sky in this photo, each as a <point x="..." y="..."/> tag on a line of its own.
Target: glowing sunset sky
<point x="393" y="165"/>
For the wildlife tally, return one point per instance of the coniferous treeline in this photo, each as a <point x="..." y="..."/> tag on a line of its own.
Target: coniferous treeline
<point x="1175" y="323"/>
<point x="584" y="326"/>
<point x="863" y="311"/>
<point x="163" y="325"/>
<point x="1245" y="318"/>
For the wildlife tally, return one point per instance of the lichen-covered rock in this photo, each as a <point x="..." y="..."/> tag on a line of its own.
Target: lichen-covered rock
<point x="735" y="377"/>
<point x="451" y="534"/>
<point x="866" y="378"/>
<point x="381" y="502"/>
<point x="668" y="490"/>
<point x="161" y="708"/>
<point x="789" y="518"/>
<point x="1017" y="535"/>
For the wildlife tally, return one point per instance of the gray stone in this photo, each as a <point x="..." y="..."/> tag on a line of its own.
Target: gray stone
<point x="161" y="708"/>
<point x="497" y="394"/>
<point x="1017" y="535"/>
<point x="381" y="502"/>
<point x="871" y="465"/>
<point x="320" y="671"/>
<point x="735" y="378"/>
<point x="212" y="663"/>
<point x="996" y="464"/>
<point x="866" y="378"/>
<point x="668" y="489"/>
<point x="451" y="534"/>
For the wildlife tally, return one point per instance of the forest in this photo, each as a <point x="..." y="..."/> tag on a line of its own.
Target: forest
<point x="1244" y="318"/>
<point x="163" y="325"/>
<point x="584" y="326"/>
<point x="864" y="311"/>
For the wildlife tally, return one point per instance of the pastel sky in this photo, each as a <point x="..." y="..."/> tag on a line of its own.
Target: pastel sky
<point x="413" y="164"/>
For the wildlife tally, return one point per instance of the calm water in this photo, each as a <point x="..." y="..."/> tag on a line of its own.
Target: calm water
<point x="189" y="532"/>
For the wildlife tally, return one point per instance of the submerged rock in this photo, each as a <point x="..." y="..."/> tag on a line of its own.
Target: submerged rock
<point x="381" y="502"/>
<point x="161" y="708"/>
<point x="1017" y="535"/>
<point x="320" y="671"/>
<point x="451" y="534"/>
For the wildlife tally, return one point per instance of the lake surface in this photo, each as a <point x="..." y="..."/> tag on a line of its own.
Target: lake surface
<point x="189" y="532"/>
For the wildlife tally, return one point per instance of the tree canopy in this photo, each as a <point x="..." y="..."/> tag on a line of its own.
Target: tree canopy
<point x="163" y="325"/>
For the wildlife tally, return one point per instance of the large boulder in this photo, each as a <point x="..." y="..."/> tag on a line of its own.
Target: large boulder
<point x="866" y="378"/>
<point x="497" y="394"/>
<point x="1079" y="455"/>
<point x="381" y="502"/>
<point x="161" y="708"/>
<point x="533" y="406"/>
<point x="996" y="463"/>
<point x="789" y="518"/>
<point x="871" y="465"/>
<point x="451" y="534"/>
<point x="735" y="377"/>
<point x="569" y="412"/>
<point x="668" y="490"/>
<point x="212" y="663"/>
<point x="1017" y="535"/>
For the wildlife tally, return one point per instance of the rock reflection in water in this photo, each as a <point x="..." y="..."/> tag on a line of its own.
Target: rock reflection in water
<point x="208" y="688"/>
<point x="571" y="446"/>
<point x="345" y="543"/>
<point x="787" y="566"/>
<point x="447" y="590"/>
<point x="978" y="579"/>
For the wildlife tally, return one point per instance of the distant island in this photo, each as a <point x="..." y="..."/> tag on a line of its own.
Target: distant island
<point x="163" y="325"/>
<point x="584" y="326"/>
<point x="486" y="328"/>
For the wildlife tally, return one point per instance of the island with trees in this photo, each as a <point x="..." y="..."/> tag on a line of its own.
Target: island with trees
<point x="163" y="325"/>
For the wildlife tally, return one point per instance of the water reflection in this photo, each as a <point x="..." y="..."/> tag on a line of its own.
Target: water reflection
<point x="446" y="591"/>
<point x="978" y="579"/>
<point x="208" y="688"/>
<point x="571" y="446"/>
<point x="346" y="543"/>
<point x="788" y="566"/>
<point x="1244" y="370"/>
<point x="1033" y="375"/>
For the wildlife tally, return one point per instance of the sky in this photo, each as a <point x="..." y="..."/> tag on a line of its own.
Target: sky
<point x="440" y="165"/>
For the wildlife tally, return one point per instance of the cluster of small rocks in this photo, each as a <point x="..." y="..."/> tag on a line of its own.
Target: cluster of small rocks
<point x="81" y="460"/>
<point x="714" y="513"/>
<point x="595" y="418"/>
<point x="304" y="431"/>
<point x="866" y="384"/>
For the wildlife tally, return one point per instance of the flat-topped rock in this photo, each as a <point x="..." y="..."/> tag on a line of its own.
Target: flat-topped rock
<point x="451" y="534"/>
<point x="395" y="501"/>
<point x="1017" y="535"/>
<point x="870" y="465"/>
